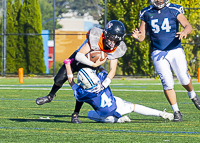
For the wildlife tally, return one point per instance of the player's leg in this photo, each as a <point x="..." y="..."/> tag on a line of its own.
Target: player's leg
<point x="162" y="66"/>
<point x="59" y="80"/>
<point x="124" y="107"/>
<point x="180" y="68"/>
<point x="92" y="115"/>
<point x="75" y="115"/>
<point x="140" y="109"/>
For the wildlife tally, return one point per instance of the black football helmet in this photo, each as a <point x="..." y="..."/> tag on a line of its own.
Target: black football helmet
<point x="160" y="5"/>
<point x="114" y="32"/>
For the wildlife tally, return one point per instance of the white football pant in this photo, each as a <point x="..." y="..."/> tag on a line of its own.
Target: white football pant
<point x="166" y="61"/>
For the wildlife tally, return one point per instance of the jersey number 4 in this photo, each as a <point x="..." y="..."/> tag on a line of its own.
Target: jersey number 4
<point x="165" y="25"/>
<point x="105" y="101"/>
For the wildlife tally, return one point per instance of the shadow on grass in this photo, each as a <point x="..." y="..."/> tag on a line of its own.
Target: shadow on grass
<point x="62" y="121"/>
<point x="39" y="120"/>
<point x="58" y="116"/>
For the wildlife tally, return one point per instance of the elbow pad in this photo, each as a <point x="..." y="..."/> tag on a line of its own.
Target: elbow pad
<point x="80" y="57"/>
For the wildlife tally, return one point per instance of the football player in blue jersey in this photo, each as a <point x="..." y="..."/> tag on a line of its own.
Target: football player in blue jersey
<point x="161" y="20"/>
<point x="108" y="108"/>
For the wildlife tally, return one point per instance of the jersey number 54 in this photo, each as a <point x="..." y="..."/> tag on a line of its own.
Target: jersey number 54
<point x="164" y="26"/>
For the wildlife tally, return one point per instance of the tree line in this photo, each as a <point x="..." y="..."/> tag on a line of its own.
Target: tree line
<point x="27" y="51"/>
<point x="138" y="60"/>
<point x="24" y="50"/>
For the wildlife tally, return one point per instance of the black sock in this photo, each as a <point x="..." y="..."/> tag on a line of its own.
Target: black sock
<point x="78" y="106"/>
<point x="54" y="89"/>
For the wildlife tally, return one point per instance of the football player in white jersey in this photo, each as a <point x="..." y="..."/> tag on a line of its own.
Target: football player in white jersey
<point x="108" y="108"/>
<point x="161" y="20"/>
<point x="110" y="40"/>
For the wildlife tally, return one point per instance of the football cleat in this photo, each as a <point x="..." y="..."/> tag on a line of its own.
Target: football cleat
<point x="45" y="99"/>
<point x="196" y="101"/>
<point x="166" y="115"/>
<point x="75" y="119"/>
<point x="178" y="116"/>
<point x="124" y="119"/>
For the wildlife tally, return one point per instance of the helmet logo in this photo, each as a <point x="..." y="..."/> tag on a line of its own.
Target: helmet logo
<point x="109" y="25"/>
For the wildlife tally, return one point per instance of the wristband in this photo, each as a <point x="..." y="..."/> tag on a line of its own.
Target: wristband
<point x="66" y="61"/>
<point x="106" y="82"/>
<point x="138" y="38"/>
<point x="70" y="75"/>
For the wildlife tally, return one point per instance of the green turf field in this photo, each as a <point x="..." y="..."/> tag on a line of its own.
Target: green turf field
<point x="21" y="120"/>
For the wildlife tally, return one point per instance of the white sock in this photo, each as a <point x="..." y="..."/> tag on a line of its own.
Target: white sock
<point x="191" y="94"/>
<point x="175" y="107"/>
<point x="140" y="109"/>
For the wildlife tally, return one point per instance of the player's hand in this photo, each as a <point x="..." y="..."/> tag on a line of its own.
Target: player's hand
<point x="97" y="89"/>
<point x="181" y="35"/>
<point x="98" y="62"/>
<point x="70" y="79"/>
<point x="136" y="34"/>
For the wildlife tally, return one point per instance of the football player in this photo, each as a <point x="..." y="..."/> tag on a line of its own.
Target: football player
<point x="108" y="108"/>
<point x="161" y="20"/>
<point x="109" y="40"/>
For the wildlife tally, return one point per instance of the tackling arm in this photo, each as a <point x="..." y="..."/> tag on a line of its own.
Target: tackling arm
<point x="67" y="63"/>
<point x="111" y="74"/>
<point x="80" y="57"/>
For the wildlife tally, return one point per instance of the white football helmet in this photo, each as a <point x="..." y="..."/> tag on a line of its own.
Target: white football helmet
<point x="158" y="4"/>
<point x="87" y="78"/>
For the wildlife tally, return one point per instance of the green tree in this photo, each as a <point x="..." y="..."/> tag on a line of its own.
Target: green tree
<point x="91" y="6"/>
<point x="30" y="22"/>
<point x="47" y="16"/>
<point x="139" y="54"/>
<point x="19" y="53"/>
<point x="1" y="46"/>
<point x="33" y="44"/>
<point x="10" y="49"/>
<point x="126" y="11"/>
<point x="191" y="49"/>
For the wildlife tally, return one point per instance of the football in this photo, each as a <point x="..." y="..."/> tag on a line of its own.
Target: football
<point x="94" y="56"/>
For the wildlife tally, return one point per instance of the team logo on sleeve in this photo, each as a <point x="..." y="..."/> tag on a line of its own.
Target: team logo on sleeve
<point x="181" y="10"/>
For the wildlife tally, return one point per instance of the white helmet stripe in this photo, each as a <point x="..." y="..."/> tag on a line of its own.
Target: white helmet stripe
<point x="87" y="76"/>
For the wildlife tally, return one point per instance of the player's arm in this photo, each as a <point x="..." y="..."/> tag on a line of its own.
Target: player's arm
<point x="111" y="74"/>
<point x="141" y="33"/>
<point x="185" y="24"/>
<point x="80" y="57"/>
<point x="67" y="63"/>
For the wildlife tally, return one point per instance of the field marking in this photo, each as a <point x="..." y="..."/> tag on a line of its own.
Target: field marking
<point x="124" y="131"/>
<point x="6" y="88"/>
<point x="67" y="85"/>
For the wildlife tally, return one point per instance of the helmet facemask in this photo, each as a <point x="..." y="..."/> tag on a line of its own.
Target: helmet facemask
<point x="111" y="41"/>
<point x="159" y="4"/>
